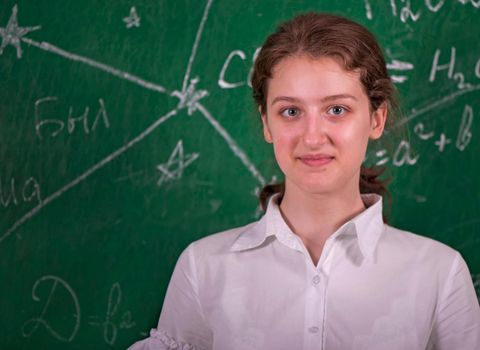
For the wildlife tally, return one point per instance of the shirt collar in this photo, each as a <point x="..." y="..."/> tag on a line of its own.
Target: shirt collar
<point x="367" y="226"/>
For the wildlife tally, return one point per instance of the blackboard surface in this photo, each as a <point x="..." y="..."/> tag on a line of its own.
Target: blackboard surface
<point x="127" y="131"/>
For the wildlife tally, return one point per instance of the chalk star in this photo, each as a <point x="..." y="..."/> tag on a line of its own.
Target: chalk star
<point x="12" y="33"/>
<point x="132" y="20"/>
<point x="176" y="164"/>
<point x="190" y="97"/>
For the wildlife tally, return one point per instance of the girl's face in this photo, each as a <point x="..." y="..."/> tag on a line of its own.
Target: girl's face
<point x="319" y="121"/>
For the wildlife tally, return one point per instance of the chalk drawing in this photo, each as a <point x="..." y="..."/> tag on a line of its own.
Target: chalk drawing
<point x="12" y="33"/>
<point x="186" y="77"/>
<point x="176" y="164"/>
<point x="86" y="174"/>
<point x="30" y="326"/>
<point x="132" y="20"/>
<point x="188" y="102"/>
<point x="113" y="71"/>
<point x="190" y="96"/>
<point x="442" y="142"/>
<point x="444" y="100"/>
<point x="232" y="144"/>
<point x="109" y="324"/>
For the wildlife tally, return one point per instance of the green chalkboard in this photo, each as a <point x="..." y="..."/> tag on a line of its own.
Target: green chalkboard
<point x="127" y="130"/>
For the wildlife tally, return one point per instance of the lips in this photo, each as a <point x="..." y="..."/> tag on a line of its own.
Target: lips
<point x="316" y="160"/>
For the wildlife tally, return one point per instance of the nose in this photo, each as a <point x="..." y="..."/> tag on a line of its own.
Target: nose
<point x="314" y="133"/>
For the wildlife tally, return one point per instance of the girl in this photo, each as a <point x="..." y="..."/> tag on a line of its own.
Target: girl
<point x="320" y="270"/>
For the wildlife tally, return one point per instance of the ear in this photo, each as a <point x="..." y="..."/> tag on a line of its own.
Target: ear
<point x="379" y="117"/>
<point x="267" y="135"/>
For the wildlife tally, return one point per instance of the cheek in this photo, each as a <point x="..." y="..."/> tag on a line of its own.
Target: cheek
<point x="353" y="140"/>
<point x="284" y="144"/>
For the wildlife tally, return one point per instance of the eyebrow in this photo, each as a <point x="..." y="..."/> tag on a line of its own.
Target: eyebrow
<point x="324" y="99"/>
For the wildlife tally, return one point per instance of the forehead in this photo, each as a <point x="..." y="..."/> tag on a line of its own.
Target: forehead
<point x="313" y="77"/>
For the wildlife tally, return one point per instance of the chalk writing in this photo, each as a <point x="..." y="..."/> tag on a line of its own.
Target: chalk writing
<point x="368" y="9"/>
<point x="12" y="33"/>
<point x="434" y="7"/>
<point x="109" y="324"/>
<point x="419" y="129"/>
<point x="176" y="164"/>
<point x="442" y="142"/>
<point x="464" y="132"/>
<point x="11" y="193"/>
<point x="450" y="66"/>
<point x="31" y="326"/>
<point x="458" y="77"/>
<point x="408" y="13"/>
<point x="396" y="65"/>
<point x="403" y="155"/>
<point x="221" y="79"/>
<point x="132" y="20"/>
<point x="403" y="152"/>
<point x="56" y="125"/>
<point x="382" y="154"/>
<point x="223" y="82"/>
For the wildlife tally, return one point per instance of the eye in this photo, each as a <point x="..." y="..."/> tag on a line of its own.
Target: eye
<point x="337" y="110"/>
<point x="290" y="112"/>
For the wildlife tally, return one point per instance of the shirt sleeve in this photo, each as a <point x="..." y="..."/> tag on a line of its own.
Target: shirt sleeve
<point x="182" y="325"/>
<point x="457" y="324"/>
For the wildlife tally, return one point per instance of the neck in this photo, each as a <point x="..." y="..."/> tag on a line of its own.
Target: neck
<point x="315" y="217"/>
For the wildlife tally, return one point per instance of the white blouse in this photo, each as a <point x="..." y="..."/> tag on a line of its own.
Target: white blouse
<point x="374" y="287"/>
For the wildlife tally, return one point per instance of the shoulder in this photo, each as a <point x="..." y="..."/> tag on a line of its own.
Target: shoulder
<point x="221" y="242"/>
<point x="417" y="248"/>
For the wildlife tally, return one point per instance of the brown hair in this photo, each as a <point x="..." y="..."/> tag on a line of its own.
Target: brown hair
<point x="353" y="46"/>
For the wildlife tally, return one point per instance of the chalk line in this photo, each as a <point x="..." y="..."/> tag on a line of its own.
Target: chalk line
<point x="232" y="144"/>
<point x="195" y="45"/>
<point x="116" y="72"/>
<point x="86" y="174"/>
<point x="418" y="112"/>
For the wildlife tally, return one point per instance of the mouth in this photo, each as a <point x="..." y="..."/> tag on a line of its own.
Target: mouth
<point x="315" y="160"/>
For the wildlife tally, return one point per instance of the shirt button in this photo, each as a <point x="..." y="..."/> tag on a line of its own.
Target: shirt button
<point x="313" y="329"/>
<point x="316" y="279"/>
